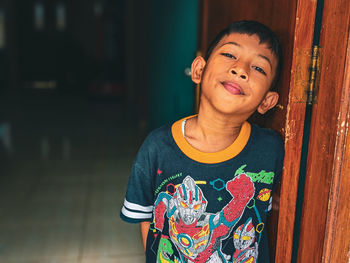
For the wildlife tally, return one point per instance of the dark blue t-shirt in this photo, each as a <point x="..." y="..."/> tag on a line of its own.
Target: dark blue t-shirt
<point x="205" y="207"/>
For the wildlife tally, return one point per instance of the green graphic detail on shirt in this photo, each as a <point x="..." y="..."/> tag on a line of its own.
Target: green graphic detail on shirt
<point x="165" y="250"/>
<point x="261" y="177"/>
<point x="167" y="180"/>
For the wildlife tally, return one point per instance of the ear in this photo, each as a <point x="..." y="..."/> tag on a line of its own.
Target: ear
<point x="270" y="100"/>
<point x="197" y="68"/>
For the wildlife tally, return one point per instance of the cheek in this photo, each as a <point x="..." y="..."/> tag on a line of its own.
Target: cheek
<point x="207" y="77"/>
<point x="260" y="85"/>
<point x="215" y="69"/>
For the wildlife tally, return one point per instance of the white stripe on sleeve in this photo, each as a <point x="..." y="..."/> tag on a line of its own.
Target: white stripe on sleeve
<point x="137" y="207"/>
<point x="136" y="215"/>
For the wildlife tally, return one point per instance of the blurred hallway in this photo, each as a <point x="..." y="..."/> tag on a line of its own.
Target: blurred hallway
<point x="63" y="186"/>
<point x="65" y="153"/>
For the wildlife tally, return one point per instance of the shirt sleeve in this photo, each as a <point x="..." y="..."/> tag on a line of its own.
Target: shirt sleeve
<point x="139" y="199"/>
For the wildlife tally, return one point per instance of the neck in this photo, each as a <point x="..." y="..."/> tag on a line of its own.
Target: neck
<point x="212" y="132"/>
<point x="218" y="128"/>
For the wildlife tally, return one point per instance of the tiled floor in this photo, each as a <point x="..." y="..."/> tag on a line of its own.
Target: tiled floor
<point x="61" y="190"/>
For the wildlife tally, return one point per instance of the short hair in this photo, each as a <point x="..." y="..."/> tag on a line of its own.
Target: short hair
<point x="265" y="34"/>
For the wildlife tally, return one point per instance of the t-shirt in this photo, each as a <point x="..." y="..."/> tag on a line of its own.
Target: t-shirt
<point x="205" y="207"/>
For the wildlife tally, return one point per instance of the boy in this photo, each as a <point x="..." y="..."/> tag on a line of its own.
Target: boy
<point x="202" y="187"/>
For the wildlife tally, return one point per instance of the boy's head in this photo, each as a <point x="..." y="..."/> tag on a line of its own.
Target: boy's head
<point x="265" y="34"/>
<point x="240" y="70"/>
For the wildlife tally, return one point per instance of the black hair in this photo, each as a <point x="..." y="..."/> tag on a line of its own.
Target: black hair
<point x="265" y="35"/>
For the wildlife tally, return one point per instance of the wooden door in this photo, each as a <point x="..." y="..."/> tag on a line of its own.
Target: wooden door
<point x="293" y="21"/>
<point x="324" y="225"/>
<point x="325" y="219"/>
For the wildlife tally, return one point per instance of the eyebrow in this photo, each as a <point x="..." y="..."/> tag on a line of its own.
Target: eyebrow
<point x="232" y="43"/>
<point x="238" y="45"/>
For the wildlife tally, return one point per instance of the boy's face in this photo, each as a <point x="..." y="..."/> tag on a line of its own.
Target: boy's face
<point x="237" y="76"/>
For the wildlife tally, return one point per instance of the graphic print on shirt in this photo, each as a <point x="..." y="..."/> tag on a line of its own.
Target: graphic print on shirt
<point x="165" y="251"/>
<point x="195" y="233"/>
<point x="243" y="238"/>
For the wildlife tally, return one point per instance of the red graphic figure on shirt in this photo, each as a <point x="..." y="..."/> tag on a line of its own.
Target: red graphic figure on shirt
<point x="197" y="234"/>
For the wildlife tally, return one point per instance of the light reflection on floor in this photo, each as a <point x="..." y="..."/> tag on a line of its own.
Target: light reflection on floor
<point x="63" y="184"/>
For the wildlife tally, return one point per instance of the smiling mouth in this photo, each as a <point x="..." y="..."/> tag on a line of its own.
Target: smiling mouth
<point x="233" y="88"/>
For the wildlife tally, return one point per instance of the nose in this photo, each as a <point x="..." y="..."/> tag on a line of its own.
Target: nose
<point x="240" y="71"/>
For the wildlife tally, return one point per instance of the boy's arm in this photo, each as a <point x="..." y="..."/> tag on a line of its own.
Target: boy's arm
<point x="144" y="231"/>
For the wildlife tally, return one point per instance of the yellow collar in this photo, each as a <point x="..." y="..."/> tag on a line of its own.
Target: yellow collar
<point x="217" y="157"/>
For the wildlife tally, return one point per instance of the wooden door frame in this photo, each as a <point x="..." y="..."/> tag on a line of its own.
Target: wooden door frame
<point x="325" y="231"/>
<point x="338" y="222"/>
<point x="294" y="127"/>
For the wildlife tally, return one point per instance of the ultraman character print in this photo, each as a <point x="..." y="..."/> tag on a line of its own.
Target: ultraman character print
<point x="197" y="234"/>
<point x="243" y="238"/>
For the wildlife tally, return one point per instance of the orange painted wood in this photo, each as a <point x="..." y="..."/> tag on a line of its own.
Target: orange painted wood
<point x="304" y="22"/>
<point x="293" y="21"/>
<point x="203" y="26"/>
<point x="320" y="177"/>
<point x="337" y="236"/>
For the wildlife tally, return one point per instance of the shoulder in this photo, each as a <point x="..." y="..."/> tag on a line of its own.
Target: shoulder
<point x="156" y="138"/>
<point x="159" y="133"/>
<point x="161" y="141"/>
<point x="156" y="142"/>
<point x="269" y="147"/>
<point x="267" y="138"/>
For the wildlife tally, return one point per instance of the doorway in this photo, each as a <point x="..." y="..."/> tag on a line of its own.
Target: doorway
<point x="294" y="21"/>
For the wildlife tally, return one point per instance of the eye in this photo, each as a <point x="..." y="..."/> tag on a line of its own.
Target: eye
<point x="259" y="70"/>
<point x="246" y="238"/>
<point x="196" y="207"/>
<point x="228" y="55"/>
<point x="183" y="204"/>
